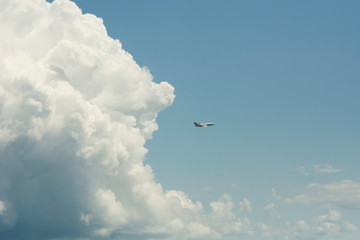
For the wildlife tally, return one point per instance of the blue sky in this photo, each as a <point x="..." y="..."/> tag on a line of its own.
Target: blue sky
<point x="280" y="79"/>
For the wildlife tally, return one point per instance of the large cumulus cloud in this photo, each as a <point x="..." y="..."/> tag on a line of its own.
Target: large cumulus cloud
<point x="75" y="113"/>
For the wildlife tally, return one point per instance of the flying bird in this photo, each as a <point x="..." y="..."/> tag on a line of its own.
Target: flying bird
<point x="203" y="124"/>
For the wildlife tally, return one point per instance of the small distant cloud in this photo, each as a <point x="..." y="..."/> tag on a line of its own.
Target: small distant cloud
<point x="303" y="170"/>
<point x="245" y="204"/>
<point x="262" y="226"/>
<point x="275" y="195"/>
<point x="328" y="224"/>
<point x="345" y="193"/>
<point x="326" y="168"/>
<point x="350" y="227"/>
<point x="302" y="226"/>
<point x="318" y="168"/>
<point x="270" y="206"/>
<point x="333" y="215"/>
<point x="2" y="208"/>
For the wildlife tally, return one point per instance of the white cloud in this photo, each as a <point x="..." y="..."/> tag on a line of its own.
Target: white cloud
<point x="327" y="226"/>
<point x="303" y="170"/>
<point x="275" y="195"/>
<point x="198" y="230"/>
<point x="326" y="168"/>
<point x="332" y="216"/>
<point x="350" y="227"/>
<point x="332" y="223"/>
<point x="76" y="111"/>
<point x="245" y="204"/>
<point x="111" y="210"/>
<point x="223" y="216"/>
<point x="318" y="168"/>
<point x="225" y="221"/>
<point x="302" y="226"/>
<point x="7" y="216"/>
<point x="270" y="206"/>
<point x="345" y="193"/>
<point x="2" y="208"/>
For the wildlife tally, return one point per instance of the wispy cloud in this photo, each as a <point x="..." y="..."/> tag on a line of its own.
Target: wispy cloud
<point x="2" y="207"/>
<point x="245" y="204"/>
<point x="345" y="194"/>
<point x="270" y="208"/>
<point x="275" y="195"/>
<point x="303" y="170"/>
<point x="318" y="168"/>
<point x="326" y="168"/>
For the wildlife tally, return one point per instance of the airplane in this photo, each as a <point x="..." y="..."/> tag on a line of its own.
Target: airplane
<point x="203" y="124"/>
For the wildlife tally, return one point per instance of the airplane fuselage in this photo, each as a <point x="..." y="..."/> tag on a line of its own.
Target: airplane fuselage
<point x="203" y="124"/>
